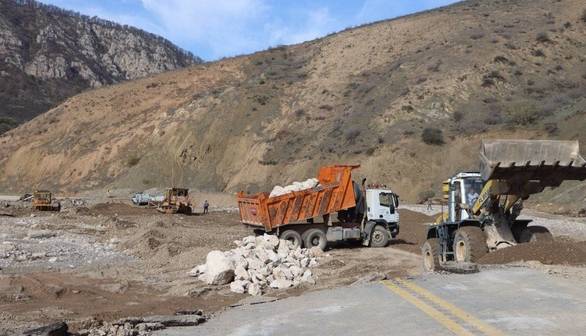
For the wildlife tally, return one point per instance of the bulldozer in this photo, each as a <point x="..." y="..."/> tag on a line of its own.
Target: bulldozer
<point x="176" y="200"/>
<point x="483" y="207"/>
<point x="43" y="201"/>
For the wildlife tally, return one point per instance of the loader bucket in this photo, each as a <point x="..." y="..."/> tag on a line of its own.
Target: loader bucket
<point x="548" y="162"/>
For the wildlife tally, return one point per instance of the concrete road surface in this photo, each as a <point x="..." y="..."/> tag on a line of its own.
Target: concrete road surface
<point x="503" y="301"/>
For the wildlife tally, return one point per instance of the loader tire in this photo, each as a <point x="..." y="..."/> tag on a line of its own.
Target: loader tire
<point x="469" y="244"/>
<point x="379" y="236"/>
<point x="293" y="236"/>
<point x="532" y="234"/>
<point x="315" y="237"/>
<point x="431" y="255"/>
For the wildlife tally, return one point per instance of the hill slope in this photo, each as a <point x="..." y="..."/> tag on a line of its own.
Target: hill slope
<point x="477" y="69"/>
<point x="48" y="54"/>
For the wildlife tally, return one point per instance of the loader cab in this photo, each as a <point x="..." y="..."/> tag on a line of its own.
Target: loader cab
<point x="382" y="204"/>
<point x="461" y="192"/>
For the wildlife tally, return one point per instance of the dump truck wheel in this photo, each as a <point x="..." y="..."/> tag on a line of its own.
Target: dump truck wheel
<point x="293" y="236"/>
<point x="315" y="237"/>
<point x="379" y="236"/>
<point x="469" y="244"/>
<point x="431" y="255"/>
<point x="533" y="234"/>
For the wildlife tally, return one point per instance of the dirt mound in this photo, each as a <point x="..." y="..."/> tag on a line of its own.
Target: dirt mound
<point x="412" y="232"/>
<point x="557" y="252"/>
<point x="119" y="209"/>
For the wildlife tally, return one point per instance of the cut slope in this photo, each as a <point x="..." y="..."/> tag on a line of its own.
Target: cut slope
<point x="477" y="69"/>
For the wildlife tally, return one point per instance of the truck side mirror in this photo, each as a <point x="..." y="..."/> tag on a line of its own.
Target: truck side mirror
<point x="392" y="209"/>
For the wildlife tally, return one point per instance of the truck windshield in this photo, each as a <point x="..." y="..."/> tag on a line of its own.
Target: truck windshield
<point x="386" y="199"/>
<point x="472" y="187"/>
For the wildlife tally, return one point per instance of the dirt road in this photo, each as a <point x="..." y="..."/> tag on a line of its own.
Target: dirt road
<point x="132" y="261"/>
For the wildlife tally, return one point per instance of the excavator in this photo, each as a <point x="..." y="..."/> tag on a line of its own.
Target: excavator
<point x="482" y="207"/>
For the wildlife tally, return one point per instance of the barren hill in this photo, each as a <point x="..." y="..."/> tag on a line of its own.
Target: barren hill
<point x="48" y="54"/>
<point x="408" y="98"/>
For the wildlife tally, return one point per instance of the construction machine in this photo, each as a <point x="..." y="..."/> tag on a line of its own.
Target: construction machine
<point x="364" y="213"/>
<point x="43" y="201"/>
<point x="176" y="200"/>
<point x="482" y="207"/>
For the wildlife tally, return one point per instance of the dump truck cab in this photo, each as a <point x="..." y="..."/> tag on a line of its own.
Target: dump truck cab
<point x="381" y="204"/>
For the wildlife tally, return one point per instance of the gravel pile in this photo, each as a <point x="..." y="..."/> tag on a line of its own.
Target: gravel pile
<point x="258" y="263"/>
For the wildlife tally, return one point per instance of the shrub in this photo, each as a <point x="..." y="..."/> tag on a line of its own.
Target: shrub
<point x="6" y="124"/>
<point x="538" y="53"/>
<point x="432" y="136"/>
<point x="299" y="113"/>
<point x="551" y="128"/>
<point x="268" y="162"/>
<point x="583" y="16"/>
<point x="133" y="161"/>
<point x="494" y="118"/>
<point x="543" y="37"/>
<point x="425" y="195"/>
<point x="352" y="134"/>
<point x="523" y="114"/>
<point x="458" y="116"/>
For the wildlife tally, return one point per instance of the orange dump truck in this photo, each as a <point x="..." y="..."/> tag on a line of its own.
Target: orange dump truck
<point x="368" y="215"/>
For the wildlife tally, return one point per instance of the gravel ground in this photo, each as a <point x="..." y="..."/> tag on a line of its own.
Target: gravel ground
<point x="560" y="226"/>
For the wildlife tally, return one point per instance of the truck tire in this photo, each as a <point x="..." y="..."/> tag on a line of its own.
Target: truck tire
<point x="315" y="237"/>
<point x="379" y="236"/>
<point x="431" y="255"/>
<point x="469" y="244"/>
<point x="293" y="236"/>
<point x="533" y="234"/>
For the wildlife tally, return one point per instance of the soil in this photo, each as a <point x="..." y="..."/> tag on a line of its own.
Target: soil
<point x="140" y="259"/>
<point x="560" y="252"/>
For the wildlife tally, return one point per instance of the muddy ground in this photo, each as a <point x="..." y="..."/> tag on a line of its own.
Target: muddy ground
<point x="129" y="261"/>
<point x="112" y="260"/>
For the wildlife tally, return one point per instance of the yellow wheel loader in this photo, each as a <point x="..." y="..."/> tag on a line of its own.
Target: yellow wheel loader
<point x="482" y="207"/>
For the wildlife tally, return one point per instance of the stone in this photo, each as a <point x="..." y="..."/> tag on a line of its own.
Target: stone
<point x="254" y="289"/>
<point x="281" y="283"/>
<point x="219" y="268"/>
<point x="316" y="252"/>
<point x="54" y="329"/>
<point x="267" y="241"/>
<point x="240" y="273"/>
<point x="197" y="270"/>
<point x="307" y="277"/>
<point x="239" y="286"/>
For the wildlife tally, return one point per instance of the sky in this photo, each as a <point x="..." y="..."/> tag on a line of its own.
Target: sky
<point x="213" y="29"/>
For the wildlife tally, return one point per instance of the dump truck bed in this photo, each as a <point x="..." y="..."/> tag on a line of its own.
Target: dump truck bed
<point x="334" y="193"/>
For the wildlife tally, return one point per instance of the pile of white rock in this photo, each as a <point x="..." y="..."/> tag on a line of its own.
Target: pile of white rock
<point x="295" y="186"/>
<point x="257" y="263"/>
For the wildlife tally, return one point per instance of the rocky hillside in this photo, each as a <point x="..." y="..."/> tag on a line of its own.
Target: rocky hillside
<point x="409" y="99"/>
<point x="48" y="54"/>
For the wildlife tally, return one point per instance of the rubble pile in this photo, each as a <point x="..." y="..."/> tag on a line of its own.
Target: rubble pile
<point x="295" y="186"/>
<point x="258" y="263"/>
<point x="144" y="326"/>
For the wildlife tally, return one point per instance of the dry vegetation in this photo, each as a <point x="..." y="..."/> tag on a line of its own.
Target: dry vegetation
<point x="507" y="69"/>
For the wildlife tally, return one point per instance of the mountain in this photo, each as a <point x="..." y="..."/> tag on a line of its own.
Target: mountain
<point x="409" y="99"/>
<point x="48" y="54"/>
